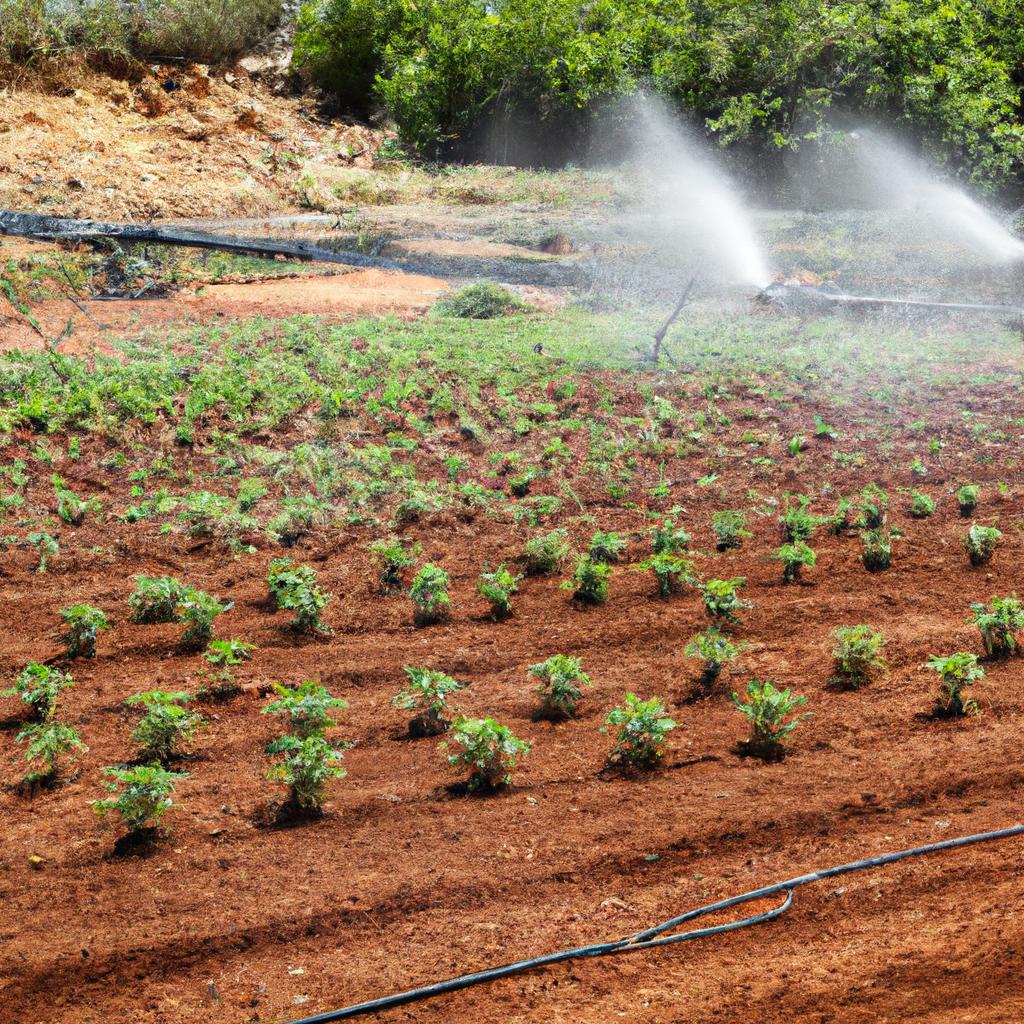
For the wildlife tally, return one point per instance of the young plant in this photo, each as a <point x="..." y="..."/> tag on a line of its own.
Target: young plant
<point x="967" y="499"/>
<point x="873" y="506"/>
<point x="840" y="519"/>
<point x="606" y="547"/>
<point x="83" y="622"/>
<point x="143" y="795"/>
<point x="561" y="685"/>
<point x="393" y="557"/>
<point x="156" y="599"/>
<point x="669" y="539"/>
<point x="722" y="599"/>
<point x="877" y="554"/>
<point x="546" y="552"/>
<point x="197" y="610"/>
<point x="589" y="583"/>
<point x="921" y="506"/>
<point x="980" y="543"/>
<point x="307" y="708"/>
<point x="308" y="764"/>
<point x="228" y="653"/>
<point x="793" y="558"/>
<point x="166" y="725"/>
<point x="488" y="749"/>
<point x="642" y="727"/>
<point x="427" y="694"/>
<point x="956" y="673"/>
<point x="857" y="653"/>
<point x="730" y="528"/>
<point x="429" y="593"/>
<point x="715" y="650"/>
<point x="498" y="587"/>
<point x="295" y="588"/>
<point x="671" y="571"/>
<point x="767" y="709"/>
<point x="998" y="622"/>
<point x="38" y="687"/>
<point x="48" y="741"/>
<point x="798" y="525"/>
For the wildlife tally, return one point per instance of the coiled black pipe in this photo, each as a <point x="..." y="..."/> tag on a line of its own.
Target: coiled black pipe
<point x="651" y="937"/>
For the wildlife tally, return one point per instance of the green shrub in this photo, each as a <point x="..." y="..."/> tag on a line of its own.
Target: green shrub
<point x="393" y="556"/>
<point x="197" y="610"/>
<point x="730" y="526"/>
<point x="156" y="599"/>
<point x="47" y="741"/>
<point x="921" y="506"/>
<point x="38" y="687"/>
<point x="295" y="588"/>
<point x="482" y="301"/>
<point x="83" y="622"/>
<point x="798" y="525"/>
<point x="205" y="31"/>
<point x="873" y="506"/>
<point x="143" y="795"/>
<point x="498" y="587"/>
<point x="956" y="673"/>
<point x="767" y="708"/>
<point x="793" y="558"/>
<point x="669" y="539"/>
<point x="306" y="707"/>
<point x="546" y="552"/>
<point x="967" y="499"/>
<point x="641" y="730"/>
<point x="561" y="685"/>
<point x="998" y="623"/>
<point x="427" y="694"/>
<point x="857" y="653"/>
<point x="488" y="749"/>
<point x="308" y="765"/>
<point x="715" y="650"/>
<point x="429" y="593"/>
<point x="166" y="725"/>
<point x="671" y="571"/>
<point x="722" y="600"/>
<point x="980" y="543"/>
<point x="296" y="518"/>
<point x="877" y="554"/>
<point x="228" y="653"/>
<point x="606" y="547"/>
<point x="840" y="519"/>
<point x="589" y="582"/>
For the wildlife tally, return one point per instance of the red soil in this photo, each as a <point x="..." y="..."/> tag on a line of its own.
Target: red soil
<point x="401" y="884"/>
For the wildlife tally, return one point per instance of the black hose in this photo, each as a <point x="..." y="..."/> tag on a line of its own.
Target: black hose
<point x="651" y="937"/>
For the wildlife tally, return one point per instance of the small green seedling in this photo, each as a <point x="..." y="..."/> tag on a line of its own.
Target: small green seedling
<point x="730" y="528"/>
<point x="857" y="654"/>
<point x="877" y="554"/>
<point x="488" y="749"/>
<point x="295" y="588"/>
<point x="47" y="742"/>
<point x="798" y="525"/>
<point x="967" y="499"/>
<point x="143" y="795"/>
<point x="793" y="558"/>
<point x="429" y="593"/>
<point x="546" y="552"/>
<point x="672" y="572"/>
<point x="998" y="623"/>
<point x="606" y="547"/>
<point x="722" y="600"/>
<point x="956" y="673"/>
<point x="669" y="539"/>
<point x="83" y="622"/>
<point x="166" y="726"/>
<point x="308" y="764"/>
<point x="427" y="694"/>
<point x="306" y="707"/>
<point x="38" y="687"/>
<point x="228" y="653"/>
<point x="498" y="587"/>
<point x="980" y="543"/>
<point x="561" y="685"/>
<point x="767" y="709"/>
<point x="921" y="506"/>
<point x="589" y="583"/>
<point x="393" y="557"/>
<point x="873" y="506"/>
<point x="839" y="521"/>
<point x="715" y="650"/>
<point x="156" y="599"/>
<point x="197" y="610"/>
<point x="641" y="730"/>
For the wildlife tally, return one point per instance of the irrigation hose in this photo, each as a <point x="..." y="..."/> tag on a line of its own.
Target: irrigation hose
<point x="655" y="936"/>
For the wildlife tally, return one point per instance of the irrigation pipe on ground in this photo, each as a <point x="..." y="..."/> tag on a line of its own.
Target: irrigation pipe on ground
<point x="655" y="936"/>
